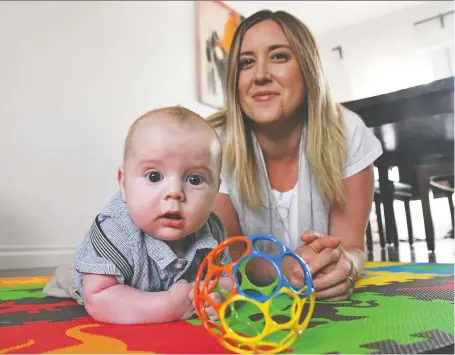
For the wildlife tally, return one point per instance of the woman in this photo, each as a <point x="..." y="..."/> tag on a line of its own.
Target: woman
<point x="296" y="164"/>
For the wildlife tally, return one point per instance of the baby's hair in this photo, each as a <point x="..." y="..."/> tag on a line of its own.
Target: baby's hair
<point x="176" y="113"/>
<point x="179" y="112"/>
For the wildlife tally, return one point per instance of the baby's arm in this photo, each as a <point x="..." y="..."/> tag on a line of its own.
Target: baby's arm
<point x="108" y="301"/>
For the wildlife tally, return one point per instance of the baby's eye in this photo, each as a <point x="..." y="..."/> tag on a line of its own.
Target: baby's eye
<point x="154" y="176"/>
<point x="195" y="179"/>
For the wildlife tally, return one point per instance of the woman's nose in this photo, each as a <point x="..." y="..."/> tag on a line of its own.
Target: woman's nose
<point x="262" y="74"/>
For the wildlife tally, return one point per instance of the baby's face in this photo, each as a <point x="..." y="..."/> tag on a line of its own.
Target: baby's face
<point x="170" y="178"/>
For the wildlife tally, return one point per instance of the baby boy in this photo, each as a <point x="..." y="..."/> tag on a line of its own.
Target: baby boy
<point x="137" y="262"/>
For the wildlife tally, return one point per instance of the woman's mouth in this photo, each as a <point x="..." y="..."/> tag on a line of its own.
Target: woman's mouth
<point x="263" y="96"/>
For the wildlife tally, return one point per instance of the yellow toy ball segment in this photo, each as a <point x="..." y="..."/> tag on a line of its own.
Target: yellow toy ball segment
<point x="259" y="319"/>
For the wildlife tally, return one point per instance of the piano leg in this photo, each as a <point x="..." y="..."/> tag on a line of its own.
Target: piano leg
<point x="423" y="173"/>
<point x="379" y="219"/>
<point x="423" y="183"/>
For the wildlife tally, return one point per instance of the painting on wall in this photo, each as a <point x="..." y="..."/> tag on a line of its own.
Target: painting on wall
<point x="216" y="24"/>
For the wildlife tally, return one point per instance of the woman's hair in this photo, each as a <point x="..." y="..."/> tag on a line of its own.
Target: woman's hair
<point x="325" y="145"/>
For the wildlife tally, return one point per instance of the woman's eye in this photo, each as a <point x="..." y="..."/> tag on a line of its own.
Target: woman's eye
<point x="245" y="62"/>
<point x="280" y="56"/>
<point x="154" y="176"/>
<point x="195" y="179"/>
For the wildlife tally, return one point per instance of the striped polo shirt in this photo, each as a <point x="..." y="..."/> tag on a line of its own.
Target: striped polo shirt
<point x="114" y="245"/>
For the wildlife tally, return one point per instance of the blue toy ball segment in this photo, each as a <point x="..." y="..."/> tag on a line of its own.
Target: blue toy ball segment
<point x="276" y="261"/>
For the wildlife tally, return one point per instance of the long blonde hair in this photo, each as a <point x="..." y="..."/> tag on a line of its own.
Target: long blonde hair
<point x="325" y="145"/>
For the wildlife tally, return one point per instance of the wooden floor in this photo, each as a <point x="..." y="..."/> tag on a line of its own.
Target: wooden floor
<point x="417" y="254"/>
<point x="444" y="254"/>
<point x="28" y="272"/>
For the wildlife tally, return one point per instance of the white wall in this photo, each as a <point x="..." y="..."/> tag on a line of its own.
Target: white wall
<point x="389" y="53"/>
<point x="74" y="76"/>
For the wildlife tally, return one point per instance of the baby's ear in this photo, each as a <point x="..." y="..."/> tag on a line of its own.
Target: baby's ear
<point x="219" y="183"/>
<point x="121" y="183"/>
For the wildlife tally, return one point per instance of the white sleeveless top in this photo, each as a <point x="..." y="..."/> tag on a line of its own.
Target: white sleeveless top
<point x="363" y="148"/>
<point x="288" y="208"/>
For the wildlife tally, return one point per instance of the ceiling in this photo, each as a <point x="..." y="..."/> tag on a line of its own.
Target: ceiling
<point x="326" y="16"/>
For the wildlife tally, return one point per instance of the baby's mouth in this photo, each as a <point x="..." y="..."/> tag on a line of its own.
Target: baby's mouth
<point x="172" y="215"/>
<point x="172" y="220"/>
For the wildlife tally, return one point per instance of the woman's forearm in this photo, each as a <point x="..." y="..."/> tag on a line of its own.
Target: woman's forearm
<point x="262" y="272"/>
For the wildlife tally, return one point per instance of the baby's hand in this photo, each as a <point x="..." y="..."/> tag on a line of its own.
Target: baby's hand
<point x="210" y="311"/>
<point x="179" y="293"/>
<point x="217" y="298"/>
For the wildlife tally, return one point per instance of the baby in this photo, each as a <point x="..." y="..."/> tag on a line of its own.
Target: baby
<point x="138" y="261"/>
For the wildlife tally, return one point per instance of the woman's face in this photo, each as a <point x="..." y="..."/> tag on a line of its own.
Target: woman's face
<point x="270" y="82"/>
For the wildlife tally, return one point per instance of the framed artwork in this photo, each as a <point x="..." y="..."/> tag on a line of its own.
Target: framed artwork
<point x="215" y="27"/>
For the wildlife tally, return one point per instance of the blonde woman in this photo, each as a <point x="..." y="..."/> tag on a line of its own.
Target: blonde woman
<point x="295" y="164"/>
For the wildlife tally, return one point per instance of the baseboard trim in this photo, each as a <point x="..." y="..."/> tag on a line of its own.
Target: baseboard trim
<point x="35" y="256"/>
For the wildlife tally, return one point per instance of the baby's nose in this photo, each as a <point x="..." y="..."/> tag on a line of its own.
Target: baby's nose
<point x="175" y="192"/>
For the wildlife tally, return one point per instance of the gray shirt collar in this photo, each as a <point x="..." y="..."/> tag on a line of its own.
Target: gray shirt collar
<point x="201" y="239"/>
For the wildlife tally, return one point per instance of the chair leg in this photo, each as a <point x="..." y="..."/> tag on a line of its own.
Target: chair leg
<point x="409" y="221"/>
<point x="451" y="208"/>
<point x="380" y="225"/>
<point x="369" y="238"/>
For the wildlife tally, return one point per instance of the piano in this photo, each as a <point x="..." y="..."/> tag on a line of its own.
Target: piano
<point x="416" y="128"/>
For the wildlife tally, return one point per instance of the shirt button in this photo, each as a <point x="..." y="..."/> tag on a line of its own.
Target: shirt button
<point x="178" y="265"/>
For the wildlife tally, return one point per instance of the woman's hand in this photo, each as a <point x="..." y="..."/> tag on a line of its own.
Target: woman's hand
<point x="315" y="250"/>
<point x="333" y="271"/>
<point x="335" y="282"/>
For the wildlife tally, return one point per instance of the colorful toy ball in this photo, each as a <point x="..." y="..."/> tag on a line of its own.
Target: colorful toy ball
<point x="263" y="317"/>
